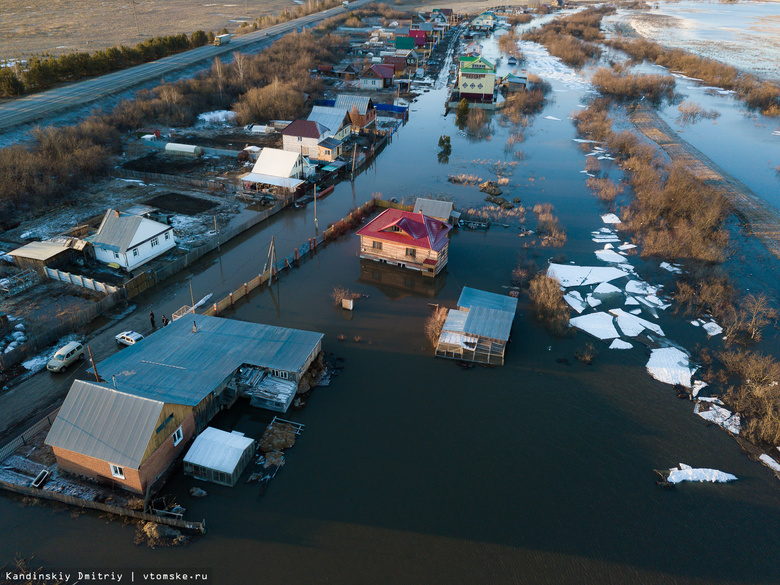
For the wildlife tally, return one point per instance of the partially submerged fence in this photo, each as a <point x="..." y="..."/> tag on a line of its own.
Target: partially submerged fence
<point x="78" y="280"/>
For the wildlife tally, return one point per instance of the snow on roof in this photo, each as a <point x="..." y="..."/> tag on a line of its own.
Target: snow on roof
<point x="218" y="450"/>
<point x="276" y="163"/>
<point x="670" y="366"/>
<point x="569" y="275"/>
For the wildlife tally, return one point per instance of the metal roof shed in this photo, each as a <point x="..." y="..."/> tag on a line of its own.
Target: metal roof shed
<point x="472" y="297"/>
<point x="441" y="210"/>
<point x="218" y="456"/>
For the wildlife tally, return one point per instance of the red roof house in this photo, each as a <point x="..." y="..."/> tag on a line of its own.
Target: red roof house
<point x="377" y="77"/>
<point x="406" y="239"/>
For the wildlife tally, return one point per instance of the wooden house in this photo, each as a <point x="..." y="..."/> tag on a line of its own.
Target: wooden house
<point x="406" y="239"/>
<point x="377" y="77"/>
<point x="476" y="79"/>
<point x="130" y="240"/>
<point x="478" y="330"/>
<point x="362" y="112"/>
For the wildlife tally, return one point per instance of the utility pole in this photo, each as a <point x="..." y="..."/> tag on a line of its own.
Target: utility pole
<point x="135" y="14"/>
<point x="94" y="367"/>
<point x="354" y="153"/>
<point x="271" y="260"/>
<point x="192" y="298"/>
<point x="316" y="226"/>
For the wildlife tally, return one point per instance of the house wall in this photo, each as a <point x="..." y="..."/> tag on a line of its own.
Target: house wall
<point x="360" y="121"/>
<point x="179" y="414"/>
<point x="394" y="253"/>
<point x="300" y="144"/>
<point x="98" y="469"/>
<point x="164" y="455"/>
<point x="370" y="83"/>
<point x="140" y="253"/>
<point x="487" y="80"/>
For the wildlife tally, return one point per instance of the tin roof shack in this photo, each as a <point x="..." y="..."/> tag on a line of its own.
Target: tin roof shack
<point x="117" y="437"/>
<point x="219" y="456"/>
<point x="362" y="112"/>
<point x="406" y="239"/>
<point x="280" y="170"/>
<point x="441" y="210"/>
<point x="42" y="255"/>
<point x="478" y="330"/>
<point x="131" y="240"/>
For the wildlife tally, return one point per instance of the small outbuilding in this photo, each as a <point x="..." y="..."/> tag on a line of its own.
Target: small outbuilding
<point x="441" y="210"/>
<point x="183" y="149"/>
<point x="218" y="456"/>
<point x="40" y="255"/>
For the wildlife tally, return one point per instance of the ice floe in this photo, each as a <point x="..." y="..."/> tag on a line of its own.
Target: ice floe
<point x="606" y="289"/>
<point x="575" y="301"/>
<point x="620" y="344"/>
<point x="670" y="366"/>
<point x="632" y="325"/>
<point x="627" y="246"/>
<point x="712" y="328"/>
<point x="569" y="275"/>
<point x="631" y="301"/>
<point x="610" y="218"/>
<point x="610" y="256"/>
<point x="552" y="118"/>
<point x="770" y="462"/>
<point x="592" y="301"/>
<point x="721" y="417"/>
<point x="598" y="325"/>
<point x="688" y="473"/>
<point x="639" y="287"/>
<point x="698" y="385"/>
<point x="671" y="268"/>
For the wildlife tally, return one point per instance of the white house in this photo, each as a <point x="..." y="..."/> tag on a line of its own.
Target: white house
<point x="335" y="119"/>
<point x="131" y="240"/>
<point x="278" y="168"/>
<point x="303" y="136"/>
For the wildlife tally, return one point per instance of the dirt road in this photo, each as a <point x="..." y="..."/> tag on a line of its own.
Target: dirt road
<point x="762" y="219"/>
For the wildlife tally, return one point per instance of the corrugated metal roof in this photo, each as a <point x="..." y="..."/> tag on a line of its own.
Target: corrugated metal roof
<point x="415" y="229"/>
<point x="306" y="129"/>
<point x="117" y="230"/>
<point x="276" y="162"/>
<point x="434" y="208"/>
<point x="493" y="323"/>
<point x="472" y="297"/>
<point x="270" y="180"/>
<point x="218" y="450"/>
<point x="39" y="250"/>
<point x="348" y="101"/>
<point x="332" y="118"/>
<point x="97" y="421"/>
<point x="330" y="143"/>
<point x="179" y="366"/>
<point x="456" y="321"/>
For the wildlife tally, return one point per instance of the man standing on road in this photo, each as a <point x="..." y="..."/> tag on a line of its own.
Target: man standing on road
<point x="164" y="320"/>
<point x="151" y="319"/>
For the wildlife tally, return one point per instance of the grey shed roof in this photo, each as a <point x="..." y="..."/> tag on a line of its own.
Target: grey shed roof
<point x="472" y="297"/>
<point x="347" y="102"/>
<point x="179" y="366"/>
<point x="484" y="322"/>
<point x="218" y="450"/>
<point x="97" y="421"/>
<point x="116" y="231"/>
<point x="331" y="118"/>
<point x="434" y="208"/>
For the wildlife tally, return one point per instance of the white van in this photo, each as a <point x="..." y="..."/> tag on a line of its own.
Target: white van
<point x="65" y="356"/>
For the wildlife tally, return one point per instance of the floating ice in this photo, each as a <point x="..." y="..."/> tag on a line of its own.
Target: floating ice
<point x="592" y="301"/>
<point x="670" y="366"/>
<point x="610" y="256"/>
<point x="712" y="328"/>
<point x="583" y="141"/>
<point x="610" y="218"/>
<point x="670" y="268"/>
<point x="688" y="473"/>
<point x="583" y="275"/>
<point x="721" y="417"/>
<point x="599" y="325"/>
<point x="606" y="239"/>
<point x="632" y="325"/>
<point x="639" y="287"/>
<point x="697" y="387"/>
<point x="695" y="323"/>
<point x="606" y="289"/>
<point x="769" y="461"/>
<point x="636" y="311"/>
<point x="631" y="301"/>
<point x="552" y="118"/>
<point x="655" y="302"/>
<point x="620" y="344"/>
<point x="575" y="301"/>
<point x="625" y="247"/>
<point x="712" y="400"/>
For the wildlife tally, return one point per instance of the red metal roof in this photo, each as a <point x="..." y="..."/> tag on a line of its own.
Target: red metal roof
<point x="304" y="128"/>
<point x="416" y="229"/>
<point x="383" y="71"/>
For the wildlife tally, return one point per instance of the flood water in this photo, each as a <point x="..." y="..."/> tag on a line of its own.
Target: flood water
<point x="411" y="470"/>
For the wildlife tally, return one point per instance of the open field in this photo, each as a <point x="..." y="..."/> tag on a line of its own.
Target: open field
<point x="63" y="26"/>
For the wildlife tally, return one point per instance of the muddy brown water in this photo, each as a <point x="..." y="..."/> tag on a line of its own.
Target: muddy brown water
<point x="411" y="470"/>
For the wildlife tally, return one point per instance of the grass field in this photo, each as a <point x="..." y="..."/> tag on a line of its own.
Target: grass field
<point x="63" y="26"/>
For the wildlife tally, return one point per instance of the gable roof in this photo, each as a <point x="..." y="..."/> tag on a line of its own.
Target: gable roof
<point x="334" y="119"/>
<point x="118" y="229"/>
<point x="434" y="208"/>
<point x="100" y="422"/>
<point x="348" y="101"/>
<point x="276" y="163"/>
<point x="444" y="11"/>
<point x="417" y="229"/>
<point x="473" y="297"/>
<point x="380" y="71"/>
<point x="467" y="64"/>
<point x="397" y="62"/>
<point x="40" y="250"/>
<point x="305" y="129"/>
<point x="177" y="365"/>
<point x="404" y="42"/>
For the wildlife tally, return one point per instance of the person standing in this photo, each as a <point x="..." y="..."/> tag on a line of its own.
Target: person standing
<point x="151" y="319"/>
<point x="164" y="320"/>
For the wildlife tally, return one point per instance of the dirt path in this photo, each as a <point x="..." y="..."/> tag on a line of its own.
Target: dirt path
<point x="762" y="219"/>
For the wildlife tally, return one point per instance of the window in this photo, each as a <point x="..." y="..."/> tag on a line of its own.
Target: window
<point x="395" y="228"/>
<point x="411" y="252"/>
<point x="377" y="245"/>
<point x="178" y="435"/>
<point x="116" y="256"/>
<point x="300" y="138"/>
<point x="280" y="374"/>
<point x="155" y="241"/>
<point x="117" y="471"/>
<point x="135" y="251"/>
<point x="167" y="235"/>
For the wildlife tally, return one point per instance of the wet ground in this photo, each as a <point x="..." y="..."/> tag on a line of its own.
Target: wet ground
<point x="412" y="470"/>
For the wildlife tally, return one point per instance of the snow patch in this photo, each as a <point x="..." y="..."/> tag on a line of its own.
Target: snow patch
<point x="598" y="325"/>
<point x="670" y="366"/>
<point x="688" y="473"/>
<point x="698" y="385"/>
<point x="620" y="344"/>
<point x="770" y="462"/>
<point x="217" y="117"/>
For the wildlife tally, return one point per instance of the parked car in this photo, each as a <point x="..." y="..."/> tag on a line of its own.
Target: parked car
<point x="128" y="338"/>
<point x="65" y="356"/>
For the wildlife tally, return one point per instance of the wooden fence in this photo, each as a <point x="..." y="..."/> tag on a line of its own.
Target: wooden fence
<point x="59" y="328"/>
<point x="80" y="503"/>
<point x="12" y="445"/>
<point x="78" y="280"/>
<point x="210" y="186"/>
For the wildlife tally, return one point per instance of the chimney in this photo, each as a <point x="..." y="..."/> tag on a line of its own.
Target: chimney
<point x="116" y="212"/>
<point x="113" y="379"/>
<point x="194" y="327"/>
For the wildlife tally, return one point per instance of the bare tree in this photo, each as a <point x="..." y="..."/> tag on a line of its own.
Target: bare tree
<point x="219" y="75"/>
<point x="240" y="65"/>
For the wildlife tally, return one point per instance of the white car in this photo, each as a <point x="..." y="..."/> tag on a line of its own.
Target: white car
<point x="128" y="338"/>
<point x="65" y="356"/>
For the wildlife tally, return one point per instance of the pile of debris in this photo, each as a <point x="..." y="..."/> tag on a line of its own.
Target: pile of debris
<point x="154" y="535"/>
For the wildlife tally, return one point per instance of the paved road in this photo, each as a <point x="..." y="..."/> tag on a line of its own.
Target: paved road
<point x="37" y="106"/>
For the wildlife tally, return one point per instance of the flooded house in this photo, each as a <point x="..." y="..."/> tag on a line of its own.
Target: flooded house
<point x="130" y="240"/>
<point x="377" y="77"/>
<point x="476" y="79"/>
<point x="155" y="395"/>
<point x="407" y="240"/>
<point x="478" y="330"/>
<point x="437" y="209"/>
<point x="303" y="137"/>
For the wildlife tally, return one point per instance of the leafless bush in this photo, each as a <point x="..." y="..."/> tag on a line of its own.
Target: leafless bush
<point x="622" y="85"/>
<point x="523" y="271"/>
<point x="464" y="179"/>
<point x="691" y="112"/>
<point x="507" y="43"/>
<point x="434" y="324"/>
<point x="586" y="354"/>
<point x="339" y="294"/>
<point x="514" y="19"/>
<point x="745" y="322"/>
<point x="704" y="291"/>
<point x="605" y="189"/>
<point x="547" y="299"/>
<point x="279" y="100"/>
<point x="550" y="231"/>
<point x="519" y="105"/>
<point x="592" y="165"/>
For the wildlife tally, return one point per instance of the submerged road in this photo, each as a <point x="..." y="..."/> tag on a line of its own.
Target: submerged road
<point x="35" y="107"/>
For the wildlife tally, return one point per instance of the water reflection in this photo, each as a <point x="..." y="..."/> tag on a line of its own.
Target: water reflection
<point x="397" y="282"/>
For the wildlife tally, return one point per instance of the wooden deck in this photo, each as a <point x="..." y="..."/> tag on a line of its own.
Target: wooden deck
<point x="762" y="219"/>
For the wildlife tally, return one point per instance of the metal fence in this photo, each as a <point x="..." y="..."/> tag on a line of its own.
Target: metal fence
<point x="22" y="439"/>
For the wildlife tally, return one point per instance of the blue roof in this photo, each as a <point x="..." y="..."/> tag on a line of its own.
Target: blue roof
<point x="180" y="366"/>
<point x="472" y="297"/>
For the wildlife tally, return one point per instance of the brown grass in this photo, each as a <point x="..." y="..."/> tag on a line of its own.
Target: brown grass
<point x="573" y="38"/>
<point x="434" y="323"/>
<point x="619" y="84"/>
<point x="547" y="299"/>
<point x="340" y="293"/>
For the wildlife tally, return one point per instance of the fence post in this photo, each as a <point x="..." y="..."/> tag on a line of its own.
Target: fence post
<point x="246" y="289"/>
<point x="297" y="255"/>
<point x="231" y="300"/>
<point x="215" y="310"/>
